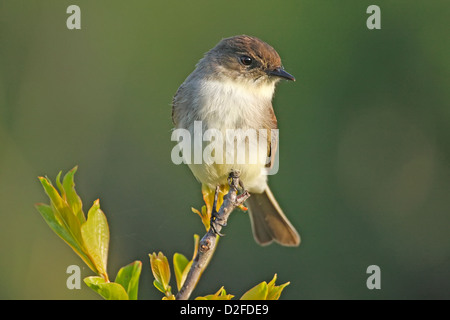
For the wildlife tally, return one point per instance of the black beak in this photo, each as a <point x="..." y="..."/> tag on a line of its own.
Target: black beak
<point x="279" y="72"/>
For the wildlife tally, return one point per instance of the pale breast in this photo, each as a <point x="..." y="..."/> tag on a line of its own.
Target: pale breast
<point x="233" y="104"/>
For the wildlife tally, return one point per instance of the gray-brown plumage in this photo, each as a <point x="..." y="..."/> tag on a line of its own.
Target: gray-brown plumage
<point x="232" y="88"/>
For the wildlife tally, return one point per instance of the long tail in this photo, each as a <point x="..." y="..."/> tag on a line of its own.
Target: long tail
<point x="269" y="222"/>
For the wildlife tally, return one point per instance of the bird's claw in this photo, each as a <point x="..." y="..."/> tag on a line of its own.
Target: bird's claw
<point x="234" y="181"/>
<point x="216" y="220"/>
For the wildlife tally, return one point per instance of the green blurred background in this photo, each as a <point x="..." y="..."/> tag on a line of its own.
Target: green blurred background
<point x="364" y="157"/>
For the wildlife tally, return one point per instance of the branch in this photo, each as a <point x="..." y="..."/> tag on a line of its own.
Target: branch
<point x="208" y="243"/>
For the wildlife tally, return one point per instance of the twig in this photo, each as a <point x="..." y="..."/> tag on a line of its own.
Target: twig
<point x="208" y="243"/>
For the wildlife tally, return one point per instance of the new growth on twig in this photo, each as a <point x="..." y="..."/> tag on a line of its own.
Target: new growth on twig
<point x="89" y="238"/>
<point x="208" y="243"/>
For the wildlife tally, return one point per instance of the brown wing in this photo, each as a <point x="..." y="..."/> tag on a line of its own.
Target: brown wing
<point x="272" y="138"/>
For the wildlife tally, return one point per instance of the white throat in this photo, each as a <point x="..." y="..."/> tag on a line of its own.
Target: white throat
<point x="231" y="104"/>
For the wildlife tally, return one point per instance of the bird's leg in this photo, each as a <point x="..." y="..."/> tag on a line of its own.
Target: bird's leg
<point x="219" y="215"/>
<point x="240" y="187"/>
<point x="216" y="219"/>
<point x="233" y="179"/>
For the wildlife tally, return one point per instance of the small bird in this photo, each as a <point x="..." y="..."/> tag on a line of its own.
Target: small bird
<point x="232" y="88"/>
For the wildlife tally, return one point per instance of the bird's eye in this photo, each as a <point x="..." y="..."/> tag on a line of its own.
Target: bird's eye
<point x="246" y="60"/>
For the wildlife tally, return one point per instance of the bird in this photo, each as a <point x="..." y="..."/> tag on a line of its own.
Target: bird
<point x="231" y="90"/>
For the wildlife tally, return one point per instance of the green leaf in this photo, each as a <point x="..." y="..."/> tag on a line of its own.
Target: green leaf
<point x="219" y="295"/>
<point x="49" y="216"/>
<point x="258" y="292"/>
<point x="128" y="277"/>
<point x="274" y="291"/>
<point x="108" y="290"/>
<point x="59" y="185"/>
<point x="161" y="271"/>
<point x="206" y="218"/>
<point x="158" y="285"/>
<point x="71" y="195"/>
<point x="63" y="213"/>
<point x="274" y="294"/>
<point x="62" y="220"/>
<point x="95" y="232"/>
<point x="179" y="265"/>
<point x="265" y="291"/>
